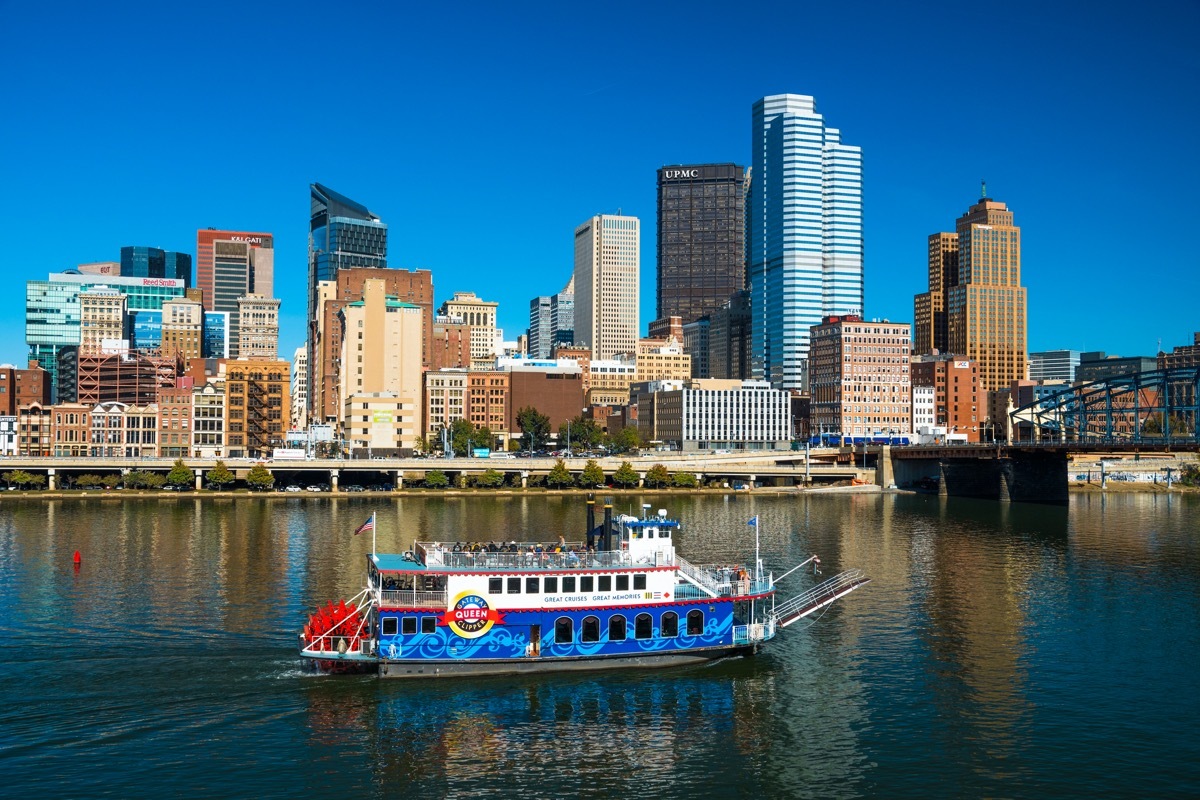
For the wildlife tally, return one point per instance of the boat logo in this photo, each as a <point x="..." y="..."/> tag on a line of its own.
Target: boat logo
<point x="470" y="616"/>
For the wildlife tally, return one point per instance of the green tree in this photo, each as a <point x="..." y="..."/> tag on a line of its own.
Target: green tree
<point x="657" y="476"/>
<point x="180" y="475"/>
<point x="490" y="479"/>
<point x="7" y="477"/>
<point x="259" y="477"/>
<point x="464" y="436"/>
<point x="141" y="479"/>
<point x="35" y="481"/>
<point x="583" y="434"/>
<point x="112" y="480"/>
<point x="684" y="480"/>
<point x="592" y="476"/>
<point x="219" y="476"/>
<point x="1153" y="426"/>
<point x="559" y="476"/>
<point x="535" y="428"/>
<point x="626" y="440"/>
<point x="625" y="476"/>
<point x="436" y="479"/>
<point x="88" y="481"/>
<point x="1190" y="475"/>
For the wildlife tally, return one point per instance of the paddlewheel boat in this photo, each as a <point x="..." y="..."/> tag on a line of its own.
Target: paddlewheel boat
<point x="623" y="599"/>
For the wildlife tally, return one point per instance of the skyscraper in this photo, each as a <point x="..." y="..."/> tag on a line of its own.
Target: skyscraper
<point x="230" y="264"/>
<point x="607" y="262"/>
<point x="562" y="316"/>
<point x="701" y="230"/>
<point x="540" y="342"/>
<point x="929" y="308"/>
<point x="986" y="308"/>
<point x="803" y="234"/>
<point x="151" y="262"/>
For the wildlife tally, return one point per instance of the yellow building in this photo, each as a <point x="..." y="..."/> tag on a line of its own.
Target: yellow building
<point x="380" y="379"/>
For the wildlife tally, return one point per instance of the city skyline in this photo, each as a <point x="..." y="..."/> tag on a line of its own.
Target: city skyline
<point x="90" y="190"/>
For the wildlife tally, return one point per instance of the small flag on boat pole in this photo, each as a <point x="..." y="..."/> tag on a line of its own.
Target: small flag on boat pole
<point x="757" y="561"/>
<point x="369" y="525"/>
<point x="753" y="520"/>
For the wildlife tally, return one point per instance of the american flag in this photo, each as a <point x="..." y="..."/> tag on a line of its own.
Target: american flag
<point x="369" y="525"/>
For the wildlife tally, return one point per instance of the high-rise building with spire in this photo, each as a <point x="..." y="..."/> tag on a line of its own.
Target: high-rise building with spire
<point x="803" y="234"/>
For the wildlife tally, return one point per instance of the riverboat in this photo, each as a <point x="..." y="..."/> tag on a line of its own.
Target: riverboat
<point x="623" y="599"/>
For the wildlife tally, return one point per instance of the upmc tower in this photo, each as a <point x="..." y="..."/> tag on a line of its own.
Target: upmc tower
<point x="701" y="233"/>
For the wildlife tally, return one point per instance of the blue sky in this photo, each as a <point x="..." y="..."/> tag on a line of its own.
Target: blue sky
<point x="484" y="133"/>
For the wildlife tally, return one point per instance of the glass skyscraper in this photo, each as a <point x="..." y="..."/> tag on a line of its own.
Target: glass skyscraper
<point x="151" y="262"/>
<point x="52" y="309"/>
<point x="803" y="234"/>
<point x="146" y="332"/>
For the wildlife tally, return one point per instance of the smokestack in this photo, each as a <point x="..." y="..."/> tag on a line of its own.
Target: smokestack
<point x="608" y="523"/>
<point x="591" y="519"/>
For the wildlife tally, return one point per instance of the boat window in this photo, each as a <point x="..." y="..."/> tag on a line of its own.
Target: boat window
<point x="568" y="585"/>
<point x="695" y="623"/>
<point x="639" y="581"/>
<point x="591" y="629"/>
<point x="495" y="585"/>
<point x="587" y="584"/>
<point x="428" y="624"/>
<point x="408" y="625"/>
<point x="622" y="583"/>
<point x="643" y="627"/>
<point x="616" y="628"/>
<point x="664" y="533"/>
<point x="551" y="586"/>
<point x="390" y="626"/>
<point x="670" y="624"/>
<point x="532" y="585"/>
<point x="606" y="583"/>
<point x="514" y="585"/>
<point x="564" y="631"/>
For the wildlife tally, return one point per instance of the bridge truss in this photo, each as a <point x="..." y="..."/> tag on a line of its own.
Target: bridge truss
<point x="1157" y="407"/>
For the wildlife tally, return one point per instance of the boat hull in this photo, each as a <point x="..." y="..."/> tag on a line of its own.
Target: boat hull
<point x="425" y="668"/>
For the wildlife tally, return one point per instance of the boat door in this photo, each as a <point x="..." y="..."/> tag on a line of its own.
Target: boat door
<point x="534" y="650"/>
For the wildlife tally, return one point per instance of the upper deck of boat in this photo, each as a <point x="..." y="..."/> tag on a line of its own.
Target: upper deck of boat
<point x="511" y="557"/>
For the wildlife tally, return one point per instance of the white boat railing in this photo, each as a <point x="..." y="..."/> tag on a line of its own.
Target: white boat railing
<point x="699" y="577"/>
<point x="819" y="596"/>
<point x="573" y="556"/>
<point x="410" y="598"/>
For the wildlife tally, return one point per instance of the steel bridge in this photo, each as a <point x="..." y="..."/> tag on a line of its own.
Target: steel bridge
<point x="1146" y="408"/>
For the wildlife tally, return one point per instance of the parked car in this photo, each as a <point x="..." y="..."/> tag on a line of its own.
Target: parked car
<point x="293" y="488"/>
<point x="354" y="487"/>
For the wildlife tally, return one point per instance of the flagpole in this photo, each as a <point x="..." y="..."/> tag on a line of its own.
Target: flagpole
<point x="372" y="533"/>
<point x="757" y="560"/>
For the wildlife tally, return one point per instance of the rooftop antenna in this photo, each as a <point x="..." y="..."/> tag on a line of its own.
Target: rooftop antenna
<point x="983" y="189"/>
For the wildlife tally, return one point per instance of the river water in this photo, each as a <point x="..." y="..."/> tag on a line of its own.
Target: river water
<point x="1001" y="651"/>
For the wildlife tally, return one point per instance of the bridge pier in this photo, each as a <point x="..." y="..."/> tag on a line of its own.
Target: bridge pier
<point x="50" y="482"/>
<point x="399" y="482"/>
<point x="199" y="479"/>
<point x="884" y="472"/>
<point x="333" y="480"/>
<point x="524" y="479"/>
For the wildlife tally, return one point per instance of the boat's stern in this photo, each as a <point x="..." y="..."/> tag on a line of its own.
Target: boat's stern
<point x="338" y="638"/>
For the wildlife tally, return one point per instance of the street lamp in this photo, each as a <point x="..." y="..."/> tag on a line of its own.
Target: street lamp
<point x="568" y="438"/>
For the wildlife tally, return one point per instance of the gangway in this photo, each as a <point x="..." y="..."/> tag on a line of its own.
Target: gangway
<point x="818" y="597"/>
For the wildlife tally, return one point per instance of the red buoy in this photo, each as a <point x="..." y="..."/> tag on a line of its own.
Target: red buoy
<point x="78" y="558"/>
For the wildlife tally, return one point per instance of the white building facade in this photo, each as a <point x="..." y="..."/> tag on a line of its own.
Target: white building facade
<point x="715" y="414"/>
<point x="923" y="402"/>
<point x="803" y="234"/>
<point x="607" y="265"/>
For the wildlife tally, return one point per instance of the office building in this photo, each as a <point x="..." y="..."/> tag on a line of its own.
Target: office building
<point x="1182" y="356"/>
<point x="729" y="339"/>
<point x="230" y="264"/>
<point x="52" y="318"/>
<point x="208" y="418"/>
<point x="859" y="377"/>
<point x="152" y="262"/>
<point x="445" y="399"/>
<point x="101" y="268"/>
<point x="696" y="345"/>
<point x="1099" y="366"/>
<point x="714" y="414"/>
<point x="554" y="389"/>
<point x="1053" y="365"/>
<point x="380" y="381"/>
<point x="258" y="327"/>
<point x="959" y="400"/>
<point x="803" y="234"/>
<point x="986" y="308"/>
<point x="299" y="419"/>
<point x="540" y="331"/>
<point x="22" y="387"/>
<point x="701" y="238"/>
<point x="930" y="331"/>
<point x="182" y="329"/>
<point x="562" y="316"/>
<point x="102" y="318"/>
<point x="607" y="263"/>
<point x="325" y="345"/>
<point x="257" y="399"/>
<point x="175" y="419"/>
<point x="480" y="316"/>
<point x="72" y="430"/>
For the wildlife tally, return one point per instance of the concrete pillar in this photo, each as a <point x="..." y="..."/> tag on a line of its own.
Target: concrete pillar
<point x="50" y="482"/>
<point x="199" y="479"/>
<point x="399" y="479"/>
<point x="641" y="479"/>
<point x="883" y="467"/>
<point x="333" y="480"/>
<point x="750" y="481"/>
<point x="524" y="480"/>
